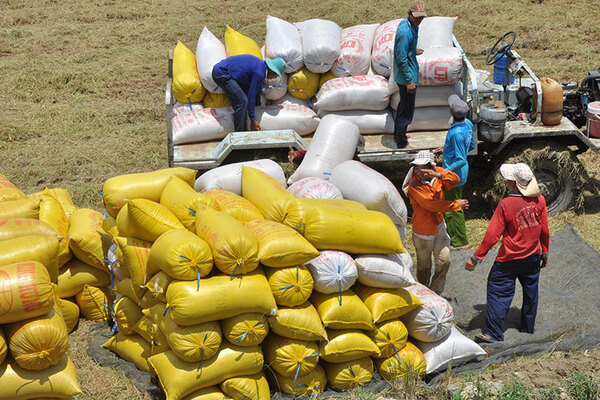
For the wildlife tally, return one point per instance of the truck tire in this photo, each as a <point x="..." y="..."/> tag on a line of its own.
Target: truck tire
<point x="557" y="171"/>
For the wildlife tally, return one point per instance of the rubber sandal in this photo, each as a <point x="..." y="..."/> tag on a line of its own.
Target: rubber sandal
<point x="484" y="338"/>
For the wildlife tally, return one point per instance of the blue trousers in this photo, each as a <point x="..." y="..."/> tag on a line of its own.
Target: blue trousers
<point x="404" y="116"/>
<point x="501" y="290"/>
<point x="239" y="100"/>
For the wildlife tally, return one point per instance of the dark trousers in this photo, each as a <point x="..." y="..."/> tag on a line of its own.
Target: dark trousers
<point x="239" y="100"/>
<point x="404" y="116"/>
<point x="501" y="289"/>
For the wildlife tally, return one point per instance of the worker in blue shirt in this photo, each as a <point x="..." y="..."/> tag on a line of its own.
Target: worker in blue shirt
<point x="241" y="77"/>
<point x="406" y="69"/>
<point x="459" y="142"/>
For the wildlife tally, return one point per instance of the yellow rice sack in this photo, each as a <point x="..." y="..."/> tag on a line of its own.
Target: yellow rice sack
<point x="349" y="375"/>
<point x="52" y="213"/>
<point x="12" y="228"/>
<point x="297" y="209"/>
<point x="3" y="347"/>
<point x="147" y="300"/>
<point x="386" y="304"/>
<point x="21" y="208"/>
<point x="301" y="322"/>
<point x="179" y="378"/>
<point x="390" y="337"/>
<point x="75" y="275"/>
<point x="291" y="286"/>
<point x="183" y="201"/>
<point x="146" y="220"/>
<point x="310" y="384"/>
<point x="253" y="387"/>
<point x="133" y="258"/>
<point x="56" y="382"/>
<point x="158" y="284"/>
<point x="209" y="393"/>
<point x="8" y="191"/>
<point x="409" y="361"/>
<point x="326" y="77"/>
<point x="219" y="297"/>
<point x="187" y="87"/>
<point x="353" y="231"/>
<point x="245" y="329"/>
<point x="234" y="248"/>
<point x="347" y="312"/>
<point x="347" y="345"/>
<point x="126" y="288"/>
<point x="180" y="254"/>
<point x="110" y="226"/>
<point x="303" y="84"/>
<point x="194" y="343"/>
<point x="63" y="197"/>
<point x="265" y="192"/>
<point x="237" y="43"/>
<point x="43" y="249"/>
<point x="280" y="245"/>
<point x="131" y="348"/>
<point x="86" y="237"/>
<point x="38" y="343"/>
<point x="234" y="205"/>
<point x="70" y="313"/>
<point x="215" y="100"/>
<point x="127" y="315"/>
<point x="94" y="303"/>
<point x="150" y="332"/>
<point x="120" y="189"/>
<point x="27" y="291"/>
<point x="289" y="357"/>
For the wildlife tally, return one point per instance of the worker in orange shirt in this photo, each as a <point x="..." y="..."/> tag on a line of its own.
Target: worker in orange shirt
<point x="425" y="184"/>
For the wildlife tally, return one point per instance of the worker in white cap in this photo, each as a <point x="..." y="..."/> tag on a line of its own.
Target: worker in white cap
<point x="521" y="219"/>
<point x="425" y="184"/>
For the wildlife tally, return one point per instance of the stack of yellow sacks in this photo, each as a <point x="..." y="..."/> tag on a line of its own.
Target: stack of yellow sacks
<point x="212" y="285"/>
<point x="34" y="321"/>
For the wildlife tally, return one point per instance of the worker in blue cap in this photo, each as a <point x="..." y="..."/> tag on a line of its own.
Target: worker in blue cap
<point x="241" y="77"/>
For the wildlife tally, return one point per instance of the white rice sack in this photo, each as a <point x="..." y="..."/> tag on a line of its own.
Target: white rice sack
<point x="332" y="272"/>
<point x="275" y="89"/>
<point x="406" y="258"/>
<point x="314" y="188"/>
<point x="283" y="40"/>
<point x="382" y="57"/>
<point x="432" y="321"/>
<point x="361" y="183"/>
<point x="430" y="119"/>
<point x="429" y="96"/>
<point x="368" y="122"/>
<point x="229" y="177"/>
<point x="334" y="142"/>
<point x="436" y="32"/>
<point x="201" y="124"/>
<point x="440" y="66"/>
<point x="209" y="51"/>
<point x="288" y="98"/>
<point x="286" y="115"/>
<point x="360" y="92"/>
<point x="320" y="44"/>
<point x="456" y="348"/>
<point x="383" y="271"/>
<point x="355" y="55"/>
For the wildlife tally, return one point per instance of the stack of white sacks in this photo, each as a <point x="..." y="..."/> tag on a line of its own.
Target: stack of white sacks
<point x="345" y="72"/>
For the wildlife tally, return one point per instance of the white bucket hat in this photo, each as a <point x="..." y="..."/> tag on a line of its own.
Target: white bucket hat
<point x="523" y="177"/>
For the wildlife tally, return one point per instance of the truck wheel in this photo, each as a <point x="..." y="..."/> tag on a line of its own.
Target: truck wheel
<point x="556" y="169"/>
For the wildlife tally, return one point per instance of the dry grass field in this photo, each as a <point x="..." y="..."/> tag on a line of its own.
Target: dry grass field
<point x="82" y="88"/>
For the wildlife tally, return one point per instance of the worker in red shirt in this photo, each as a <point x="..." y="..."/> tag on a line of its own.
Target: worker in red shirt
<point x="521" y="219"/>
<point x="425" y="184"/>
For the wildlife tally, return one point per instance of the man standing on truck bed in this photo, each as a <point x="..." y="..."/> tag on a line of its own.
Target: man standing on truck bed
<point x="241" y="78"/>
<point x="406" y="69"/>
<point x="459" y="142"/>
